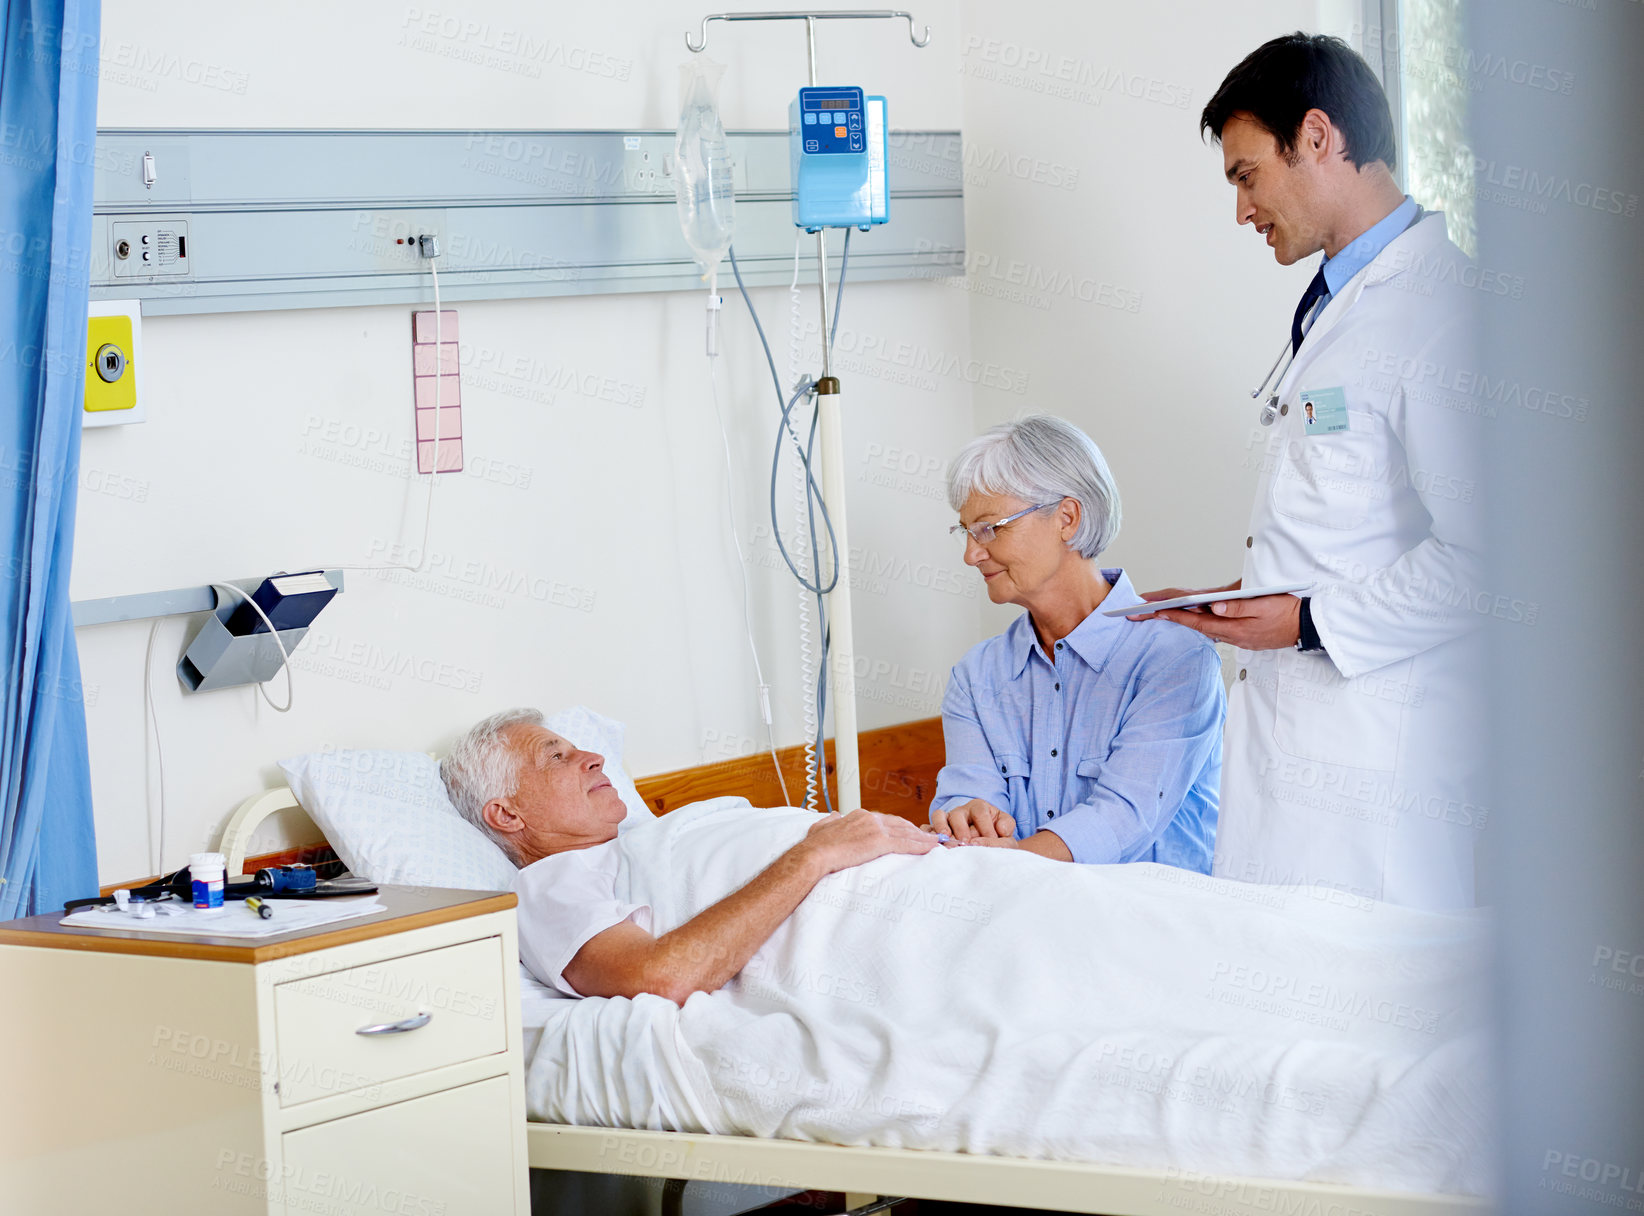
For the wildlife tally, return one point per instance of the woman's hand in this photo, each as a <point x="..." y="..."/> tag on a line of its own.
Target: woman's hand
<point x="1041" y="844"/>
<point x="974" y="820"/>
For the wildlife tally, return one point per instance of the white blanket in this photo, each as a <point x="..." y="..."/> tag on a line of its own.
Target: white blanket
<point x="990" y="1001"/>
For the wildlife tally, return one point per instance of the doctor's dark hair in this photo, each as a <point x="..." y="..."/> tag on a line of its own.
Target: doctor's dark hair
<point x="1278" y="82"/>
<point x="1041" y="459"/>
<point x="485" y="765"/>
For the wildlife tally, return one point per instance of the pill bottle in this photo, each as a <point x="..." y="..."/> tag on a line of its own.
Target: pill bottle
<point x="207" y="871"/>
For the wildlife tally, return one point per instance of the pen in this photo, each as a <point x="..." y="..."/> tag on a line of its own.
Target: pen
<point x="259" y="906"/>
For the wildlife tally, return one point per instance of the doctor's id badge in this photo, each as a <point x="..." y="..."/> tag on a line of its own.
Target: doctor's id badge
<point x="1324" y="410"/>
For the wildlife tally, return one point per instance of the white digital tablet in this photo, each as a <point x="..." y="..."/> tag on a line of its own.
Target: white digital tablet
<point x="1206" y="597"/>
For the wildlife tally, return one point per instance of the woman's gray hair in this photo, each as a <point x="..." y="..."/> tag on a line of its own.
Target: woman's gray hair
<point x="1041" y="459"/>
<point x="485" y="765"/>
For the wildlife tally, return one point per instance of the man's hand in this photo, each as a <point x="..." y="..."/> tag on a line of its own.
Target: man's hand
<point x="1268" y="622"/>
<point x="974" y="820"/>
<point x="1171" y="593"/>
<point x="842" y="841"/>
<point x="706" y="951"/>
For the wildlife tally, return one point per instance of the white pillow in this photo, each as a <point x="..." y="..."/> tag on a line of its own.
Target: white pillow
<point x="387" y="815"/>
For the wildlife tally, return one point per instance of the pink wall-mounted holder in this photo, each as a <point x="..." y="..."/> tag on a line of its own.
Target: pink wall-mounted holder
<point x="437" y="365"/>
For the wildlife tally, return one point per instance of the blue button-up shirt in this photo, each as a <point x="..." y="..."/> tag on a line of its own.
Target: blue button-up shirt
<point x="1116" y="746"/>
<point x="1363" y="249"/>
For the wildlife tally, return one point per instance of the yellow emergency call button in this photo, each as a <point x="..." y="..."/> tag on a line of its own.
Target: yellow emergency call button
<point x="111" y="384"/>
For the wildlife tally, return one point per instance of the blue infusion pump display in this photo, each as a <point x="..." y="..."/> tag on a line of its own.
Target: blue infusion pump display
<point x="836" y="150"/>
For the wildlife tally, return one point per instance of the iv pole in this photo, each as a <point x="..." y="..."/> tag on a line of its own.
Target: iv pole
<point x="841" y="647"/>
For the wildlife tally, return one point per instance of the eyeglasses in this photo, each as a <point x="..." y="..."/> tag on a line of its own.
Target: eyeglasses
<point x="984" y="534"/>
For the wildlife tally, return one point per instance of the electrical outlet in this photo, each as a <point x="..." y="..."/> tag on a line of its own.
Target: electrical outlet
<point x="114" y="344"/>
<point x="149" y="247"/>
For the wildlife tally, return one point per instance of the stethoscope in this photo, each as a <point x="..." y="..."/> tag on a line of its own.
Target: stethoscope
<point x="1270" y="411"/>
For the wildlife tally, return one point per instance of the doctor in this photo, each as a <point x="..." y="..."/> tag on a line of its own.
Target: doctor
<point x="1350" y="764"/>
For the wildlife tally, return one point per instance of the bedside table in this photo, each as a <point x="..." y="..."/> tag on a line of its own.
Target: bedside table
<point x="369" y="1066"/>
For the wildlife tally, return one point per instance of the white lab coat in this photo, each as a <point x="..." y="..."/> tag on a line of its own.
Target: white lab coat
<point x="1360" y="771"/>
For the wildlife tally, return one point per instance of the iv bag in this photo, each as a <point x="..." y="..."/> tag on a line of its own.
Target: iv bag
<point x="703" y="184"/>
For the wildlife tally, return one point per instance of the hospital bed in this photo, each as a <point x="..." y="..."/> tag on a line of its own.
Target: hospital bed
<point x="870" y="1171"/>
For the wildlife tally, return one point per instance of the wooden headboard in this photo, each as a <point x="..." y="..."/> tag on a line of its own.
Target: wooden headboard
<point x="899" y="766"/>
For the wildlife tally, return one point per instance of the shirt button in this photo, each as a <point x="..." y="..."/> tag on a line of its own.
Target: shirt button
<point x="1005" y="768"/>
<point x="1249" y="541"/>
<point x="1241" y="673"/>
<point x="1058" y="645"/>
<point x="1053" y="751"/>
<point x="1284" y="409"/>
<point x="1058" y="688"/>
<point x="1050" y="814"/>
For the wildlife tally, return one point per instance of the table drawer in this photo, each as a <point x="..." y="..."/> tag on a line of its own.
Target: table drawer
<point x="449" y="1153"/>
<point x="317" y="1021"/>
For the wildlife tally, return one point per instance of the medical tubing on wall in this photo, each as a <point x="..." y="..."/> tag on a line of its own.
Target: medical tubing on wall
<point x="822" y="616"/>
<point x="742" y="569"/>
<point x="812" y="721"/>
<point x="813" y="488"/>
<point x="416" y="465"/>
<point x="809" y="495"/>
<point x="815" y="687"/>
<point x="809" y="671"/>
<point x="839" y="293"/>
<point x="151" y="721"/>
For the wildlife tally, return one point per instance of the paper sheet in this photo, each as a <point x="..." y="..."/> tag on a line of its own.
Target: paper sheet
<point x="233" y="919"/>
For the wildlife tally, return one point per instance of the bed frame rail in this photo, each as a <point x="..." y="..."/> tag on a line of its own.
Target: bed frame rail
<point x="1064" y="1186"/>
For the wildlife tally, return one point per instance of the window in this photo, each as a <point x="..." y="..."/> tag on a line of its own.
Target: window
<point x="1417" y="48"/>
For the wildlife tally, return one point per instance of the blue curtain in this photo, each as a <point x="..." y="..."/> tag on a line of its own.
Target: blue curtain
<point x="48" y="130"/>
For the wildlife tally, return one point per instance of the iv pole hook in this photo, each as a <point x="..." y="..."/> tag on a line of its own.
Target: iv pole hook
<point x="919" y="38"/>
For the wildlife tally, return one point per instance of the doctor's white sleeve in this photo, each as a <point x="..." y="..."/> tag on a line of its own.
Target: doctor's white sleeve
<point x="1434" y="591"/>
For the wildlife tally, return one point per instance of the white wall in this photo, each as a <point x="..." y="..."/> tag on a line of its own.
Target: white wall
<point x="1145" y="314"/>
<point x="1108" y="284"/>
<point x="252" y="462"/>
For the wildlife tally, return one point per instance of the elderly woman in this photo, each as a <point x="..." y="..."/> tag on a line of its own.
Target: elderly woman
<point x="1074" y="735"/>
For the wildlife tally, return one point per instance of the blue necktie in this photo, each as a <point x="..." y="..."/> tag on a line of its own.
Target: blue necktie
<point x="1315" y="290"/>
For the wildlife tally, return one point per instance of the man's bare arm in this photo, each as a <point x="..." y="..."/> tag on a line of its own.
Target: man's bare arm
<point x="706" y="951"/>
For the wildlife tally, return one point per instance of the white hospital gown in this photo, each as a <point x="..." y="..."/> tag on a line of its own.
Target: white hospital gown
<point x="564" y="901"/>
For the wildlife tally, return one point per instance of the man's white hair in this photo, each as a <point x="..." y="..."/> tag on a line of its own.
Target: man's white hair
<point x="485" y="765"/>
<point x="1042" y="459"/>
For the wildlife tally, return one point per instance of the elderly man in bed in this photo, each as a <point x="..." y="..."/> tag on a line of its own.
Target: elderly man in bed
<point x="973" y="999"/>
<point x="552" y="810"/>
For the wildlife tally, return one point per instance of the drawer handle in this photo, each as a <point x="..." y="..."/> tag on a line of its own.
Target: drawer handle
<point x="404" y="1025"/>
